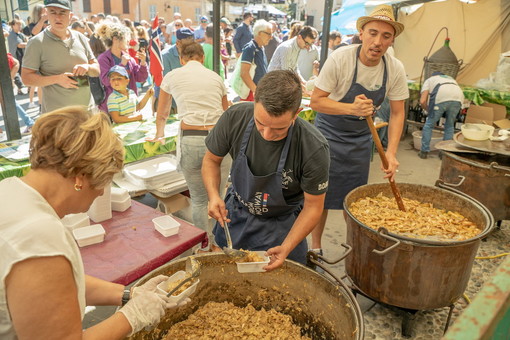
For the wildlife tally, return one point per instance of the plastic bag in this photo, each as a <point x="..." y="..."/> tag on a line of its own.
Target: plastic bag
<point x="237" y="83"/>
<point x="499" y="80"/>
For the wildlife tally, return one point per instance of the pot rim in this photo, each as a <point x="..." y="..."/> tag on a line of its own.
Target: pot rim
<point x="488" y="218"/>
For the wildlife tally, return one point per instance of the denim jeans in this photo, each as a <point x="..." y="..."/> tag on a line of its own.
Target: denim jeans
<point x="451" y="109"/>
<point x="23" y="115"/>
<point x="192" y="153"/>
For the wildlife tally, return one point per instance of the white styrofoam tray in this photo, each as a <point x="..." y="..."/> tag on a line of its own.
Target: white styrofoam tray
<point x="166" y="225"/>
<point x="178" y="276"/>
<point x="253" y="267"/>
<point x="89" y="235"/>
<point x="153" y="167"/>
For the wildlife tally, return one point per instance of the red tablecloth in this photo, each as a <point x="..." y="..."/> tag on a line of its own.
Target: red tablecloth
<point x="132" y="247"/>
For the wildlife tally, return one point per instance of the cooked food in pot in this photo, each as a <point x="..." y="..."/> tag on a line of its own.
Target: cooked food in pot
<point x="251" y="256"/>
<point x="225" y="321"/>
<point x="182" y="288"/>
<point x="421" y="220"/>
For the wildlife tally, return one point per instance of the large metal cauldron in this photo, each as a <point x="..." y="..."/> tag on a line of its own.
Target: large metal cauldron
<point x="484" y="177"/>
<point x="325" y="310"/>
<point x="412" y="273"/>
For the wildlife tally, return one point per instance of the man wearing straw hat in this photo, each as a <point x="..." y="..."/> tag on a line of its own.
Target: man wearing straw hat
<point x="352" y="83"/>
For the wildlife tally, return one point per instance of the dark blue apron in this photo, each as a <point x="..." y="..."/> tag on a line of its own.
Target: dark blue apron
<point x="433" y="95"/>
<point x="350" y="143"/>
<point x="260" y="216"/>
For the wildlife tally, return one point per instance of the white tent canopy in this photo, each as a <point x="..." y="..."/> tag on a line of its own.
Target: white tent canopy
<point x="255" y="8"/>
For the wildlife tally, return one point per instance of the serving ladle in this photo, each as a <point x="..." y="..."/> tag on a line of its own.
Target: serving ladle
<point x="229" y="250"/>
<point x="193" y="267"/>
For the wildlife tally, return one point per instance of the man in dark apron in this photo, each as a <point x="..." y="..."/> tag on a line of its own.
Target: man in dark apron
<point x="440" y="95"/>
<point x="279" y="172"/>
<point x="352" y="83"/>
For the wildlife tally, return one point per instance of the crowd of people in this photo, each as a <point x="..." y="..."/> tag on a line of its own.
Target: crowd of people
<point x="285" y="173"/>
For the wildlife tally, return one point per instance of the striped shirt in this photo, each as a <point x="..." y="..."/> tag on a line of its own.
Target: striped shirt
<point x="286" y="56"/>
<point x="125" y="105"/>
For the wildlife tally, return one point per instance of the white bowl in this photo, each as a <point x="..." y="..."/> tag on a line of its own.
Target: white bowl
<point x="253" y="267"/>
<point x="74" y="221"/>
<point x="176" y="277"/>
<point x="166" y="225"/>
<point x="436" y="137"/>
<point x="89" y="235"/>
<point x="477" y="131"/>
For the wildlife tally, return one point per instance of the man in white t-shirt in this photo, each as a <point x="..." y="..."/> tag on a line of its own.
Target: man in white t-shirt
<point x="440" y="95"/>
<point x="352" y="83"/>
<point x="201" y="97"/>
<point x="171" y="29"/>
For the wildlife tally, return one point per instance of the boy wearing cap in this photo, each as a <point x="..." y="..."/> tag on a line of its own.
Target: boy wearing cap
<point x="352" y="83"/>
<point x="60" y="60"/>
<point x="123" y="102"/>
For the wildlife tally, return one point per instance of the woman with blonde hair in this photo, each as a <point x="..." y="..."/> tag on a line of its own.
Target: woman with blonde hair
<point x="43" y="287"/>
<point x="116" y="38"/>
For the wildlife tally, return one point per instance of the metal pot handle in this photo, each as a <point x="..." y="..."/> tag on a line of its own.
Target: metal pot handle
<point x="383" y="232"/>
<point x="462" y="179"/>
<point x="495" y="165"/>
<point x="314" y="259"/>
<point x="441" y="184"/>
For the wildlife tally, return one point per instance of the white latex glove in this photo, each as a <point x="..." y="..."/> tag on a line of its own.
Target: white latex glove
<point x="144" y="309"/>
<point x="149" y="286"/>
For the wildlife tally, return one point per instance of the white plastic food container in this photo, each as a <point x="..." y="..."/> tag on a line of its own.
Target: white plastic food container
<point x="162" y="287"/>
<point x="253" y="267"/>
<point x="89" y="235"/>
<point x="166" y="225"/>
<point x="119" y="194"/>
<point x="74" y="221"/>
<point x="121" y="205"/>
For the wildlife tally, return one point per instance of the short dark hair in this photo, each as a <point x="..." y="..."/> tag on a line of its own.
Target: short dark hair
<point x="334" y="34"/>
<point x="247" y="15"/>
<point x="209" y="31"/>
<point x="279" y="92"/>
<point x="308" y="32"/>
<point x="191" y="51"/>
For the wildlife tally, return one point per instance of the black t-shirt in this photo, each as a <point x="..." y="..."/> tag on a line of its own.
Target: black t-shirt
<point x="307" y="165"/>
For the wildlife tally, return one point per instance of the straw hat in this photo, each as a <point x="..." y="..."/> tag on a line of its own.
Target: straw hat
<point x="382" y="13"/>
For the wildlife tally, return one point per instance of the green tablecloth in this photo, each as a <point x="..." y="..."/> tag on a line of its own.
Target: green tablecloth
<point x="476" y="95"/>
<point x="12" y="163"/>
<point x="132" y="134"/>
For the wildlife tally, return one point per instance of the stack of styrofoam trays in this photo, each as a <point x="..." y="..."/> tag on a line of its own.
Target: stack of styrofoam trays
<point x="121" y="201"/>
<point x="153" y="173"/>
<point x="172" y="188"/>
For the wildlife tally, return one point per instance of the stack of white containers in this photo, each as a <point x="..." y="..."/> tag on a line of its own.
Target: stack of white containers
<point x="153" y="173"/>
<point x="120" y="199"/>
<point x="101" y="208"/>
<point x="84" y="233"/>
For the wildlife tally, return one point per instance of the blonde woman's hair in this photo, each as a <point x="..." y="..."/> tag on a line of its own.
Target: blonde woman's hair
<point x="72" y="141"/>
<point x="108" y="30"/>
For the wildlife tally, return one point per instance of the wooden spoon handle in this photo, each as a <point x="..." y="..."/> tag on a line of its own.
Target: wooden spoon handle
<point x="385" y="163"/>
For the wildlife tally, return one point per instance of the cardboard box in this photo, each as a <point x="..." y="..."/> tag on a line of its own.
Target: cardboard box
<point x="487" y="113"/>
<point x="170" y="205"/>
<point x="503" y="123"/>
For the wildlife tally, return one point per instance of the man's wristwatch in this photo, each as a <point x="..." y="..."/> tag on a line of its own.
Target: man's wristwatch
<point x="126" y="296"/>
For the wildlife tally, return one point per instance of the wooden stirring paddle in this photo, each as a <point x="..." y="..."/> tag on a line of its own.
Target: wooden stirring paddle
<point x="385" y="163"/>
